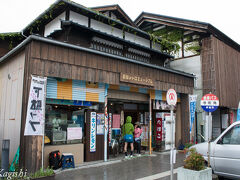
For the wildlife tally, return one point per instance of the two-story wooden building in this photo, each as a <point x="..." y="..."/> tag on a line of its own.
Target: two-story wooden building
<point x="86" y="56"/>
<point x="215" y="62"/>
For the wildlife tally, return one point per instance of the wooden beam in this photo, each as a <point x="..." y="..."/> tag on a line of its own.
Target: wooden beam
<point x="175" y="24"/>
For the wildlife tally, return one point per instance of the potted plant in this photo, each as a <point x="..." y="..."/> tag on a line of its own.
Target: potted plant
<point x="194" y="168"/>
<point x="186" y="147"/>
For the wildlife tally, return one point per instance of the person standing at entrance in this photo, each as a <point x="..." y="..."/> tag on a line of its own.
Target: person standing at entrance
<point x="137" y="134"/>
<point x="127" y="132"/>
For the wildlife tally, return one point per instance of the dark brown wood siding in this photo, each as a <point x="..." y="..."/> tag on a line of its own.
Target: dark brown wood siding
<point x="56" y="61"/>
<point x="220" y="70"/>
<point x="184" y="119"/>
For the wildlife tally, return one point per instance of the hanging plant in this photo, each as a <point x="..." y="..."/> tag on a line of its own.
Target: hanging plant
<point x="193" y="47"/>
<point x="12" y="37"/>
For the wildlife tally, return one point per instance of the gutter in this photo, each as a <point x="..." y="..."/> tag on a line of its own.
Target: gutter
<point x="59" y="43"/>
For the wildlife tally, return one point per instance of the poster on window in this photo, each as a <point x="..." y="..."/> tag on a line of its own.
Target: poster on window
<point x="116" y="121"/>
<point x="93" y="132"/>
<point x="144" y="141"/>
<point x="36" y="108"/>
<point x="100" y="123"/>
<point x="74" y="133"/>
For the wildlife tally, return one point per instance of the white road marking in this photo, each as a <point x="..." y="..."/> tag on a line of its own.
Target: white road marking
<point x="159" y="175"/>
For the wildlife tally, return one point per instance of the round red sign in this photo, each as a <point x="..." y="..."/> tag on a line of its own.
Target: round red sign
<point x="171" y="97"/>
<point x="209" y="102"/>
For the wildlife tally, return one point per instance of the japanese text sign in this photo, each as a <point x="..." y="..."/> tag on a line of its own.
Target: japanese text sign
<point x="36" y="108"/>
<point x="192" y="109"/>
<point x="209" y="102"/>
<point x="159" y="127"/>
<point x="93" y="132"/>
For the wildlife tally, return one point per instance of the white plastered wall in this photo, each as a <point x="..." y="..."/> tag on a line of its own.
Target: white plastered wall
<point x="78" y="18"/>
<point x="190" y="65"/>
<point x="136" y="39"/>
<point x="11" y="88"/>
<point x="54" y="25"/>
<point x="193" y="65"/>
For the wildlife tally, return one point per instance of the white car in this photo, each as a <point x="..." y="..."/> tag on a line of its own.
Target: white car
<point x="225" y="152"/>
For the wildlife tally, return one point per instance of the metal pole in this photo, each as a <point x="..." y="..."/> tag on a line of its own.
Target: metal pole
<point x="172" y="143"/>
<point x="44" y="110"/>
<point x="5" y="156"/>
<point x="150" y="126"/>
<point x="209" y="136"/>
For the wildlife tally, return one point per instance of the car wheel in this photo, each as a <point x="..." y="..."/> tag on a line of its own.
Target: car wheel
<point x="221" y="178"/>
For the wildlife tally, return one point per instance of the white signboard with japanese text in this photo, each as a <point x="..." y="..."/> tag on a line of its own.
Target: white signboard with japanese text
<point x="36" y="108"/>
<point x="74" y="133"/>
<point x="93" y="132"/>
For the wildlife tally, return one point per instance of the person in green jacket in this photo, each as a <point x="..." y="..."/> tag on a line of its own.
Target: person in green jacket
<point x="127" y="132"/>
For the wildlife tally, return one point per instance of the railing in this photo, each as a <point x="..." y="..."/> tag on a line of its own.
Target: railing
<point x="103" y="47"/>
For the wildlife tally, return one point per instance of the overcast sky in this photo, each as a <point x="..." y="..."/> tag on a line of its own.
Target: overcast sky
<point x="223" y="14"/>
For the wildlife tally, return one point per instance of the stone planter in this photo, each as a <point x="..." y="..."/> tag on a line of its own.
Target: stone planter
<point x="188" y="174"/>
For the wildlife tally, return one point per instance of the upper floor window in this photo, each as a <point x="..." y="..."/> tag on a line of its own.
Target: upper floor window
<point x="117" y="49"/>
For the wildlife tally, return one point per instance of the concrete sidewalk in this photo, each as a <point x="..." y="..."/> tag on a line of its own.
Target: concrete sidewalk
<point x="120" y="169"/>
<point x="145" y="167"/>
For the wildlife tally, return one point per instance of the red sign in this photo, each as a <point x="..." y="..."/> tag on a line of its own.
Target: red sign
<point x="231" y="117"/>
<point x="171" y="97"/>
<point x="159" y="129"/>
<point x="209" y="102"/>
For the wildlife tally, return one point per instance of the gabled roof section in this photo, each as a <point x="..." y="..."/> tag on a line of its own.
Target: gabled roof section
<point x="62" y="5"/>
<point x="149" y="20"/>
<point x="117" y="10"/>
<point x="63" y="44"/>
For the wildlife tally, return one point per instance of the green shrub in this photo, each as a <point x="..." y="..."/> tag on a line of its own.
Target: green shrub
<point x="194" y="161"/>
<point x="42" y="173"/>
<point x="188" y="145"/>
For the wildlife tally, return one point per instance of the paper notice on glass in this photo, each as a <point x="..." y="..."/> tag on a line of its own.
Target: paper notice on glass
<point x="74" y="133"/>
<point x="116" y="121"/>
<point x="100" y="123"/>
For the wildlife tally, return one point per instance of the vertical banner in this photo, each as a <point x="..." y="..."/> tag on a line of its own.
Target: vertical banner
<point x="238" y="112"/>
<point x="110" y="128"/>
<point x="93" y="132"/>
<point x="159" y="127"/>
<point x="231" y="117"/>
<point x="36" y="108"/>
<point x="192" y="109"/>
<point x="106" y="124"/>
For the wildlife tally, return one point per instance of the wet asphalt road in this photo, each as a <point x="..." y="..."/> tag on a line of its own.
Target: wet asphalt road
<point x="118" y="169"/>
